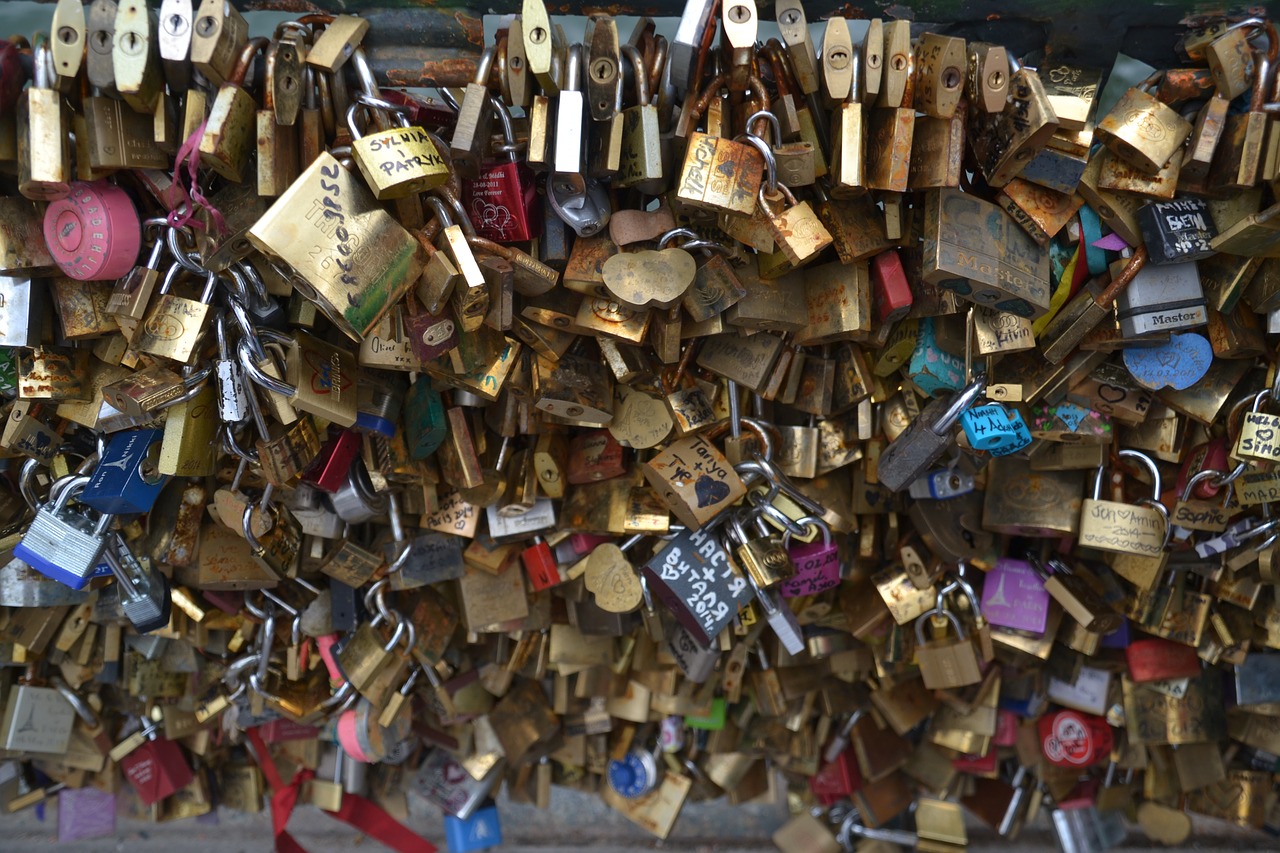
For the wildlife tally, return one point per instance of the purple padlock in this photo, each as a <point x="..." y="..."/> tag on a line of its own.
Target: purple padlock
<point x="1013" y="596"/>
<point x="85" y="813"/>
<point x="817" y="563"/>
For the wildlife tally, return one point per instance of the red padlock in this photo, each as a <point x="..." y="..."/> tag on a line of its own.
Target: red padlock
<point x="283" y="729"/>
<point x="977" y="765"/>
<point x="892" y="294"/>
<point x="94" y="233"/>
<point x="540" y="565"/>
<point x="503" y="202"/>
<point x="595" y="456"/>
<point x="837" y="779"/>
<point x="1210" y="455"/>
<point x="156" y="769"/>
<point x="1157" y="659"/>
<point x="330" y="468"/>
<point x="431" y="335"/>
<point x="12" y="76"/>
<point x="1073" y="739"/>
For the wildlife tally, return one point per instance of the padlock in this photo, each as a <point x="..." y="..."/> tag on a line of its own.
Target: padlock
<point x="397" y="162"/>
<point x="1142" y="131"/>
<point x="135" y="57"/>
<point x="1013" y="596"/>
<point x="764" y="558"/>
<point x="502" y="198"/>
<point x="995" y="428"/>
<point x="1005" y="142"/>
<point x="218" y="31"/>
<point x="817" y="563"/>
<point x="1073" y="739"/>
<point x="126" y="479"/>
<point x="37" y="720"/>
<point x="172" y="327"/>
<point x="62" y="544"/>
<point x="228" y="132"/>
<point x="155" y="766"/>
<point x="945" y="663"/>
<point x="93" y="233"/>
<point x="145" y="596"/>
<point x="44" y="153"/>
<point x="641" y="163"/>
<point x="926" y="439"/>
<point x="1126" y="528"/>
<point x="1238" y="160"/>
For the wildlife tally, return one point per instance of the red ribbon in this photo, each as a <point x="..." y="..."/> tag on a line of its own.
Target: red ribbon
<point x="355" y="811"/>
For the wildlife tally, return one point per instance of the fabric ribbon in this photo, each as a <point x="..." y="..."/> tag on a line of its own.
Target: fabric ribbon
<point x="189" y="155"/>
<point x="356" y="811"/>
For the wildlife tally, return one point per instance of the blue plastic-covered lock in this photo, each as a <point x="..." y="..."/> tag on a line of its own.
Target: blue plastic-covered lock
<point x="995" y="429"/>
<point x="479" y="832"/>
<point x="635" y="775"/>
<point x="126" y="481"/>
<point x="933" y="369"/>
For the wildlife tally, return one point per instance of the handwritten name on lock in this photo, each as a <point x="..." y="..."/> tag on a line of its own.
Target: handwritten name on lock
<point x="695" y="578"/>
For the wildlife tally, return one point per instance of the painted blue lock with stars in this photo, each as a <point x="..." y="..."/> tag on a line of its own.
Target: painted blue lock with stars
<point x="126" y="480"/>
<point x="479" y="832"/>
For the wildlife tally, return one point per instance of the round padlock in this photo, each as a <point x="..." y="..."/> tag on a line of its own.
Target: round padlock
<point x="635" y="775"/>
<point x="1073" y="739"/>
<point x="94" y="233"/>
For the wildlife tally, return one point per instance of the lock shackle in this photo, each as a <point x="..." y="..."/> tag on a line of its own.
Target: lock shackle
<point x="64" y="487"/>
<point x="266" y="641"/>
<point x="438" y="205"/>
<point x="770" y="119"/>
<point x="248" y="332"/>
<point x="855" y="84"/>
<point x="188" y="260"/>
<point x="808" y="521"/>
<point x="365" y="78"/>
<point x="77" y="702"/>
<point x="240" y="70"/>
<point x="766" y="509"/>
<point x="640" y="72"/>
<point x="510" y="146"/>
<point x="963" y="400"/>
<point x="946" y="614"/>
<point x="246" y="525"/>
<point x="260" y="377"/>
<point x="770" y="162"/>
<point x="485" y="66"/>
<point x="1262" y="68"/>
<point x="1146" y="462"/>
<point x="572" y="68"/>
<point x="1198" y="478"/>
<point x="375" y="598"/>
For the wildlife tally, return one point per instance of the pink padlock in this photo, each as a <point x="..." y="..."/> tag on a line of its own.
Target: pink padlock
<point x="94" y="233"/>
<point x="348" y="738"/>
<point x="817" y="563"/>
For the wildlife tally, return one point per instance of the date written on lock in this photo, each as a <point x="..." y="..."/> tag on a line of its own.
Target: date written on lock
<point x="694" y="576"/>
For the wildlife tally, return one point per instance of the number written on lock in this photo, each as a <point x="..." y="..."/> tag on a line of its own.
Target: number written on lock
<point x="695" y="577"/>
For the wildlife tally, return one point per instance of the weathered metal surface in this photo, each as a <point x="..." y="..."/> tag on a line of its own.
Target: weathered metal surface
<point x="416" y="43"/>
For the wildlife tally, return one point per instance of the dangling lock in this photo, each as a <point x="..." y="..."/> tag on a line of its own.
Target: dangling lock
<point x="793" y="161"/>
<point x="145" y="596"/>
<point x="1125" y="528"/>
<point x="891" y="122"/>
<point x="651" y="278"/>
<point x="945" y="663"/>
<point x="641" y="164"/>
<point x="1259" y="436"/>
<point x="396" y="163"/>
<point x="135" y="57"/>
<point x="1232" y="60"/>
<point x="638" y="773"/>
<point x="174" y="324"/>
<point x="228" y="132"/>
<point x="471" y="131"/>
<point x="62" y="544"/>
<point x="796" y="229"/>
<point x="1077" y="596"/>
<point x="503" y="199"/>
<point x="848" y="142"/>
<point x="1238" y="160"/>
<point x="44" y="151"/>
<point x="926" y="439"/>
<point x="1006" y="141"/>
<point x="981" y="628"/>
<point x="817" y="563"/>
<point x="133" y="291"/>
<point x="280" y="547"/>
<point x="763" y="558"/>
<point x="218" y="31"/>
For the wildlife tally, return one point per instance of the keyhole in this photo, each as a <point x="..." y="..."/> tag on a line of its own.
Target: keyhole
<point x="537" y="35"/>
<point x="516" y="63"/>
<point x="67" y="35"/>
<point x="739" y="14"/>
<point x="206" y="25"/>
<point x="791" y="16"/>
<point x="899" y="62"/>
<point x="130" y="42"/>
<point x="602" y="69"/>
<point x="289" y="84"/>
<point x="873" y="60"/>
<point x="995" y="80"/>
<point x="175" y="24"/>
<point x="101" y="41"/>
<point x="951" y="78"/>
<point x="839" y="59"/>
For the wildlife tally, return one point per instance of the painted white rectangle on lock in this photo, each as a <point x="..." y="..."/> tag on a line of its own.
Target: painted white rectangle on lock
<point x="1088" y="694"/>
<point x="540" y="516"/>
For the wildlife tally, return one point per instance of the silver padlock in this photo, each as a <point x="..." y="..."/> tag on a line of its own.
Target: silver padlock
<point x="37" y="719"/>
<point x="233" y="397"/>
<point x="145" y="596"/>
<point x="23" y="307"/>
<point x="928" y="437"/>
<point x="356" y="501"/>
<point x="1162" y="299"/>
<point x="571" y="134"/>
<point x="62" y="544"/>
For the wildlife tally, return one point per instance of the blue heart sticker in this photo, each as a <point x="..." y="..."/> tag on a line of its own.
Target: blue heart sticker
<point x="1178" y="364"/>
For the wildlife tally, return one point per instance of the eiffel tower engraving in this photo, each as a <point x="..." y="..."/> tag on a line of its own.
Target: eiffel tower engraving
<point x="998" y="599"/>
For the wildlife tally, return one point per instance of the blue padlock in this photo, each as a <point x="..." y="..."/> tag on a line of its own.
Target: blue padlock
<point x="995" y="429"/>
<point x="933" y="369"/>
<point x="126" y="481"/>
<point x="481" y="831"/>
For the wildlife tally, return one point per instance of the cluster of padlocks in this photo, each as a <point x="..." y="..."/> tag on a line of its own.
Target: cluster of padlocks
<point x="877" y="423"/>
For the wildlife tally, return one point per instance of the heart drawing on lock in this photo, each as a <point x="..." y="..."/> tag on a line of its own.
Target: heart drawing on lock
<point x="1178" y="364"/>
<point x="710" y="491"/>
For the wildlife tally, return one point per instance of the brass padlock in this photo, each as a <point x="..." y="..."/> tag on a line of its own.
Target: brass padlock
<point x="945" y="662"/>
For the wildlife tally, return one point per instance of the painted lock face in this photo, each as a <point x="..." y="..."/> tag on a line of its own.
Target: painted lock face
<point x="94" y="233"/>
